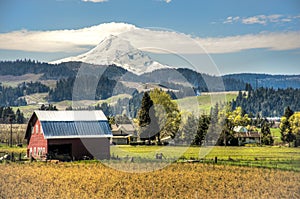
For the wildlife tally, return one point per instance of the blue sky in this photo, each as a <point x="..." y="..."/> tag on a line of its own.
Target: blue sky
<point x="222" y="21"/>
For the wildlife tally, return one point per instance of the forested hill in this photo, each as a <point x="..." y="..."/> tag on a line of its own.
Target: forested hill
<point x="22" y="67"/>
<point x="68" y="70"/>
<point x="200" y="81"/>
<point x="268" y="102"/>
<point x="268" y="81"/>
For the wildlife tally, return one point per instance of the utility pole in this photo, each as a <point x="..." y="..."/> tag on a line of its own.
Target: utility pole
<point x="10" y="120"/>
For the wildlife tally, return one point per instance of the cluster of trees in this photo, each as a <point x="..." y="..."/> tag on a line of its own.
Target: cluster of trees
<point x="105" y="88"/>
<point x="22" y="67"/>
<point x="159" y="118"/>
<point x="12" y="96"/>
<point x="49" y="107"/>
<point x="267" y="81"/>
<point x="29" y="88"/>
<point x="224" y="119"/>
<point x="199" y="81"/>
<point x="290" y="126"/>
<point x="8" y="115"/>
<point x="267" y="102"/>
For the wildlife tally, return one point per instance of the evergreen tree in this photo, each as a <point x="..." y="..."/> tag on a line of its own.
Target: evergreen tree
<point x="288" y="112"/>
<point x="267" y="138"/>
<point x="203" y="126"/>
<point x="144" y="116"/>
<point x="19" y="117"/>
<point x="187" y="129"/>
<point x="285" y="127"/>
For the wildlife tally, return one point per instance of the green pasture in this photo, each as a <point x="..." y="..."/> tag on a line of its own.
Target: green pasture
<point x="284" y="158"/>
<point x="203" y="103"/>
<point x="268" y="157"/>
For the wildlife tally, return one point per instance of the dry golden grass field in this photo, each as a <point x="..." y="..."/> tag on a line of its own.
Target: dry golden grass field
<point x="179" y="180"/>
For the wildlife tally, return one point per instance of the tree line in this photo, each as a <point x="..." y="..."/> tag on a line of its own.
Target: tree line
<point x="8" y="115"/>
<point x="267" y="102"/>
<point x="13" y="96"/>
<point x="160" y="119"/>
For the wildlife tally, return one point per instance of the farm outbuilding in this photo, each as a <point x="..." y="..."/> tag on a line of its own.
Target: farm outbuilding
<point x="68" y="135"/>
<point x="123" y="133"/>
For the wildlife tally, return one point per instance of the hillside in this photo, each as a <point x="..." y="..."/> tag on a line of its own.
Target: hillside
<point x="205" y="102"/>
<point x="268" y="81"/>
<point x="100" y="83"/>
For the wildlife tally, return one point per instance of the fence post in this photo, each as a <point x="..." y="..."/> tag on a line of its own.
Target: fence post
<point x="12" y="158"/>
<point x="216" y="160"/>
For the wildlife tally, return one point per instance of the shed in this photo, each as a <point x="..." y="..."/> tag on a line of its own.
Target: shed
<point x="248" y="138"/>
<point x="123" y="133"/>
<point x="68" y="134"/>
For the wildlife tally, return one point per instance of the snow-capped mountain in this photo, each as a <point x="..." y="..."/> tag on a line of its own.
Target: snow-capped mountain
<point x="115" y="50"/>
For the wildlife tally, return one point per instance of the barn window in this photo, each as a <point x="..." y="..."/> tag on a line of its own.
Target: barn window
<point x="40" y="151"/>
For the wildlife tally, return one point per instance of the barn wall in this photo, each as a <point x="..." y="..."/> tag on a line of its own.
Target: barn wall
<point x="98" y="147"/>
<point x="92" y="147"/>
<point x="37" y="146"/>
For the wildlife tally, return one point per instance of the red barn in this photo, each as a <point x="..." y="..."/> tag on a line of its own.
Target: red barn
<point x="72" y="134"/>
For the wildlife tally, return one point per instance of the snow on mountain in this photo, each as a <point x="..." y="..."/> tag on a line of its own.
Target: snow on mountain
<point x="114" y="50"/>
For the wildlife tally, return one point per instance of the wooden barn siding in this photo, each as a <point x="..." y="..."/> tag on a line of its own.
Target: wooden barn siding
<point x="96" y="147"/>
<point x="37" y="141"/>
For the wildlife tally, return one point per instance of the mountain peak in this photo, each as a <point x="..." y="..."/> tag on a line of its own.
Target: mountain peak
<point x="118" y="51"/>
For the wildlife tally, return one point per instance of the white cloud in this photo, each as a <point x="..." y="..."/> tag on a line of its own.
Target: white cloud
<point x="166" y="1"/>
<point x="78" y="41"/>
<point x="95" y="1"/>
<point x="231" y="19"/>
<point x="271" y="41"/>
<point x="60" y="40"/>
<point x="260" y="19"/>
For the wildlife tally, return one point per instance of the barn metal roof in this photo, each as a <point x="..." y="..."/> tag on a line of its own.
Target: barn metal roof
<point x="70" y="124"/>
<point x="75" y="129"/>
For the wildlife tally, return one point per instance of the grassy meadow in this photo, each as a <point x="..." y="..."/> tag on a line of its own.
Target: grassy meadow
<point x="204" y="102"/>
<point x="268" y="157"/>
<point x="282" y="158"/>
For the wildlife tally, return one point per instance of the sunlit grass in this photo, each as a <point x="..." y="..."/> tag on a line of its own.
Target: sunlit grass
<point x="271" y="157"/>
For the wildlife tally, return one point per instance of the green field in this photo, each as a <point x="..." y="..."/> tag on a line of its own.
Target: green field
<point x="203" y="103"/>
<point x="268" y="157"/>
<point x="284" y="158"/>
<point x="275" y="132"/>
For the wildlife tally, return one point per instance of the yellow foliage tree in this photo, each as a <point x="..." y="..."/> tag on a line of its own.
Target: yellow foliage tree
<point x="294" y="121"/>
